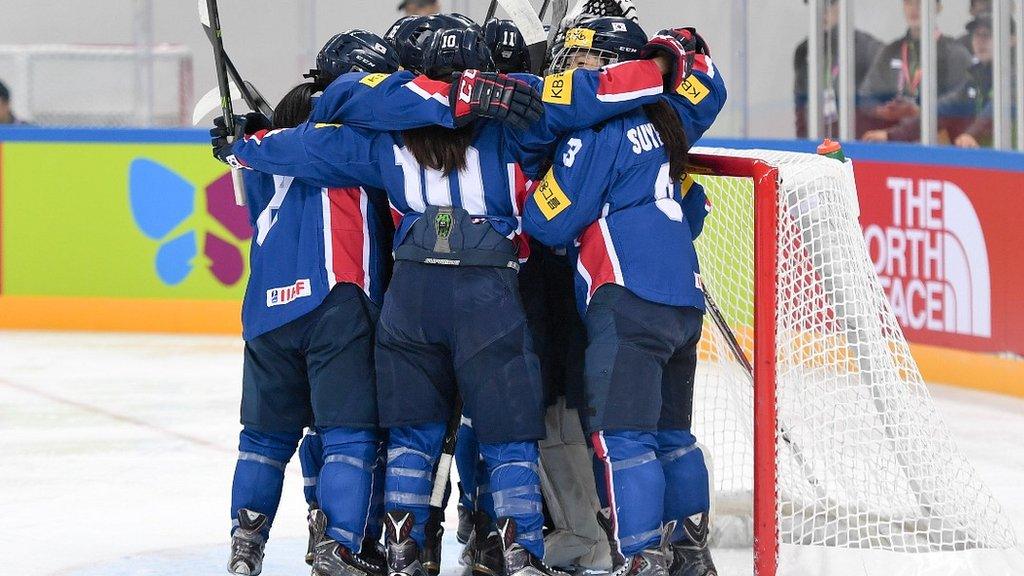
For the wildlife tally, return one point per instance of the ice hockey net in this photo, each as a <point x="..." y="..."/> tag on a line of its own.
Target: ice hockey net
<point x="831" y="459"/>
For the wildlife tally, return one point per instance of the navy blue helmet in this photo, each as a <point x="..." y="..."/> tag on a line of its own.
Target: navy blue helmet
<point x="389" y="36"/>
<point x="456" y="50"/>
<point x="353" y="51"/>
<point x="508" y="47"/>
<point x="412" y="35"/>
<point x="597" y="41"/>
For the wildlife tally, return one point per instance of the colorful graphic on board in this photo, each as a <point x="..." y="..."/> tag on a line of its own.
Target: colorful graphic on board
<point x="163" y="204"/>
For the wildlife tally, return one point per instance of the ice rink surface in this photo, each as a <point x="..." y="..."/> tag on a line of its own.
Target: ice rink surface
<point x="116" y="456"/>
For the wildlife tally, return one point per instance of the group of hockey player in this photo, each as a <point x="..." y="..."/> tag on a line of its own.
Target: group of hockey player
<point x="442" y="238"/>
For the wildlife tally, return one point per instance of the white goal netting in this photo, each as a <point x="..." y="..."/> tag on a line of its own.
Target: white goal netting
<point x="99" y="85"/>
<point x="865" y="465"/>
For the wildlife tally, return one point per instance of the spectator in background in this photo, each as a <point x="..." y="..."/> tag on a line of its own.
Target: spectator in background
<point x="420" y="7"/>
<point x="6" y="113"/>
<point x="978" y="7"/>
<point x="968" y="115"/>
<point x="866" y="47"/>
<point x="890" y="95"/>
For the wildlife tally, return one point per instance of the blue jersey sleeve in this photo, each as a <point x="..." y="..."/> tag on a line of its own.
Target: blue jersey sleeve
<point x="571" y="195"/>
<point x="695" y="205"/>
<point x="328" y="155"/>
<point x="385" y="102"/>
<point x="579" y="98"/>
<point x="700" y="98"/>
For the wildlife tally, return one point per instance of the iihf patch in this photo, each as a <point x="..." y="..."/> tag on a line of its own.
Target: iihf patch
<point x="288" y="294"/>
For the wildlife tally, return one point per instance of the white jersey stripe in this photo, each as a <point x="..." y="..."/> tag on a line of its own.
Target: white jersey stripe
<point x="471" y="184"/>
<point x="363" y="200"/>
<point x="612" y="255"/>
<point x="625" y="96"/>
<point x="427" y="95"/>
<point x="411" y="173"/>
<point x="325" y="205"/>
<point x="438" y="187"/>
<point x="586" y="277"/>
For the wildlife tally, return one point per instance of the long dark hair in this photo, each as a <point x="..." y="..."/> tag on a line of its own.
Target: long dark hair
<point x="442" y="149"/>
<point x="296" y="106"/>
<point x="667" y="123"/>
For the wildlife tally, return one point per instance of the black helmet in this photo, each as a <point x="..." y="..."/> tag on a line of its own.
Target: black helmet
<point x="412" y="35"/>
<point x="606" y="39"/>
<point x="455" y="50"/>
<point x="508" y="48"/>
<point x="389" y="36"/>
<point x="353" y="51"/>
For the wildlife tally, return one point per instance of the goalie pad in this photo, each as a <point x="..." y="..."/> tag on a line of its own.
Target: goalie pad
<point x="567" y="481"/>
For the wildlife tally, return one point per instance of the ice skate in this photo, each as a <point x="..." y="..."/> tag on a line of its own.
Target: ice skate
<point x="247" y="544"/>
<point x="333" y="559"/>
<point x="692" y="556"/>
<point x="465" y="525"/>
<point x="402" y="552"/>
<point x="518" y="560"/>
<point x="317" y="522"/>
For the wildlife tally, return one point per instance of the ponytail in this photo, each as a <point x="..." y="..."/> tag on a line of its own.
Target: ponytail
<point x="667" y="123"/>
<point x="440" y="148"/>
<point x="296" y="106"/>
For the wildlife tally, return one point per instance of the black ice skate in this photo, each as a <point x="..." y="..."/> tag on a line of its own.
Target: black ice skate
<point x="465" y="525"/>
<point x="653" y="561"/>
<point x="488" y="558"/>
<point x="430" y="556"/>
<point x="333" y="559"/>
<point x="317" y="522"/>
<point x="402" y="552"/>
<point x="247" y="544"/>
<point x="518" y="560"/>
<point x="692" y="556"/>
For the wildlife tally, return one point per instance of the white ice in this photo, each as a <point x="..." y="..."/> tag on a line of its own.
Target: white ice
<point x="116" y="456"/>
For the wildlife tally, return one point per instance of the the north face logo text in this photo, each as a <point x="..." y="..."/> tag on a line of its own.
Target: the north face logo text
<point x="932" y="260"/>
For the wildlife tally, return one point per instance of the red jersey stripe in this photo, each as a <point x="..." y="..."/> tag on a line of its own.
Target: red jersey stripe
<point x="348" y="238"/>
<point x="596" y="259"/>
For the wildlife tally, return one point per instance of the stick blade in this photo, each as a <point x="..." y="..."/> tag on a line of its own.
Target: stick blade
<point x="210" y="103"/>
<point x="522" y="13"/>
<point x="204" y="13"/>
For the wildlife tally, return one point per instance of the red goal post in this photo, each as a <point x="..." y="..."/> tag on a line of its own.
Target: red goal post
<point x="831" y="452"/>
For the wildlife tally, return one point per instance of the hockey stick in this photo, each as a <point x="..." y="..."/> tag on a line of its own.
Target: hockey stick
<point x="444" y="462"/>
<point x="209" y="17"/>
<point x="741" y="357"/>
<point x="544" y="10"/>
<point x="558" y="11"/>
<point x="442" y="473"/>
<point x="490" y="11"/>
<point x="521" y="12"/>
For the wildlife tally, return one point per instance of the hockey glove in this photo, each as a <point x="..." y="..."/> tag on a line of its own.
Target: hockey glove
<point x="475" y="94"/>
<point x="681" y="46"/>
<point x="221" y="138"/>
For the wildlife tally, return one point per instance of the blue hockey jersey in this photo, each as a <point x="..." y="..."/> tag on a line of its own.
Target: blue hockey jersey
<point x="331" y="154"/>
<point x="610" y="196"/>
<point x="308" y="238"/>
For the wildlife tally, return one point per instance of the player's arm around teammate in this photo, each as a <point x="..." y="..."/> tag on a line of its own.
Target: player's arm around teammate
<point x="620" y="192"/>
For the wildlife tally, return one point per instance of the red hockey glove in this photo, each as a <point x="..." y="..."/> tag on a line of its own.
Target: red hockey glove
<point x="681" y="45"/>
<point x="477" y="94"/>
